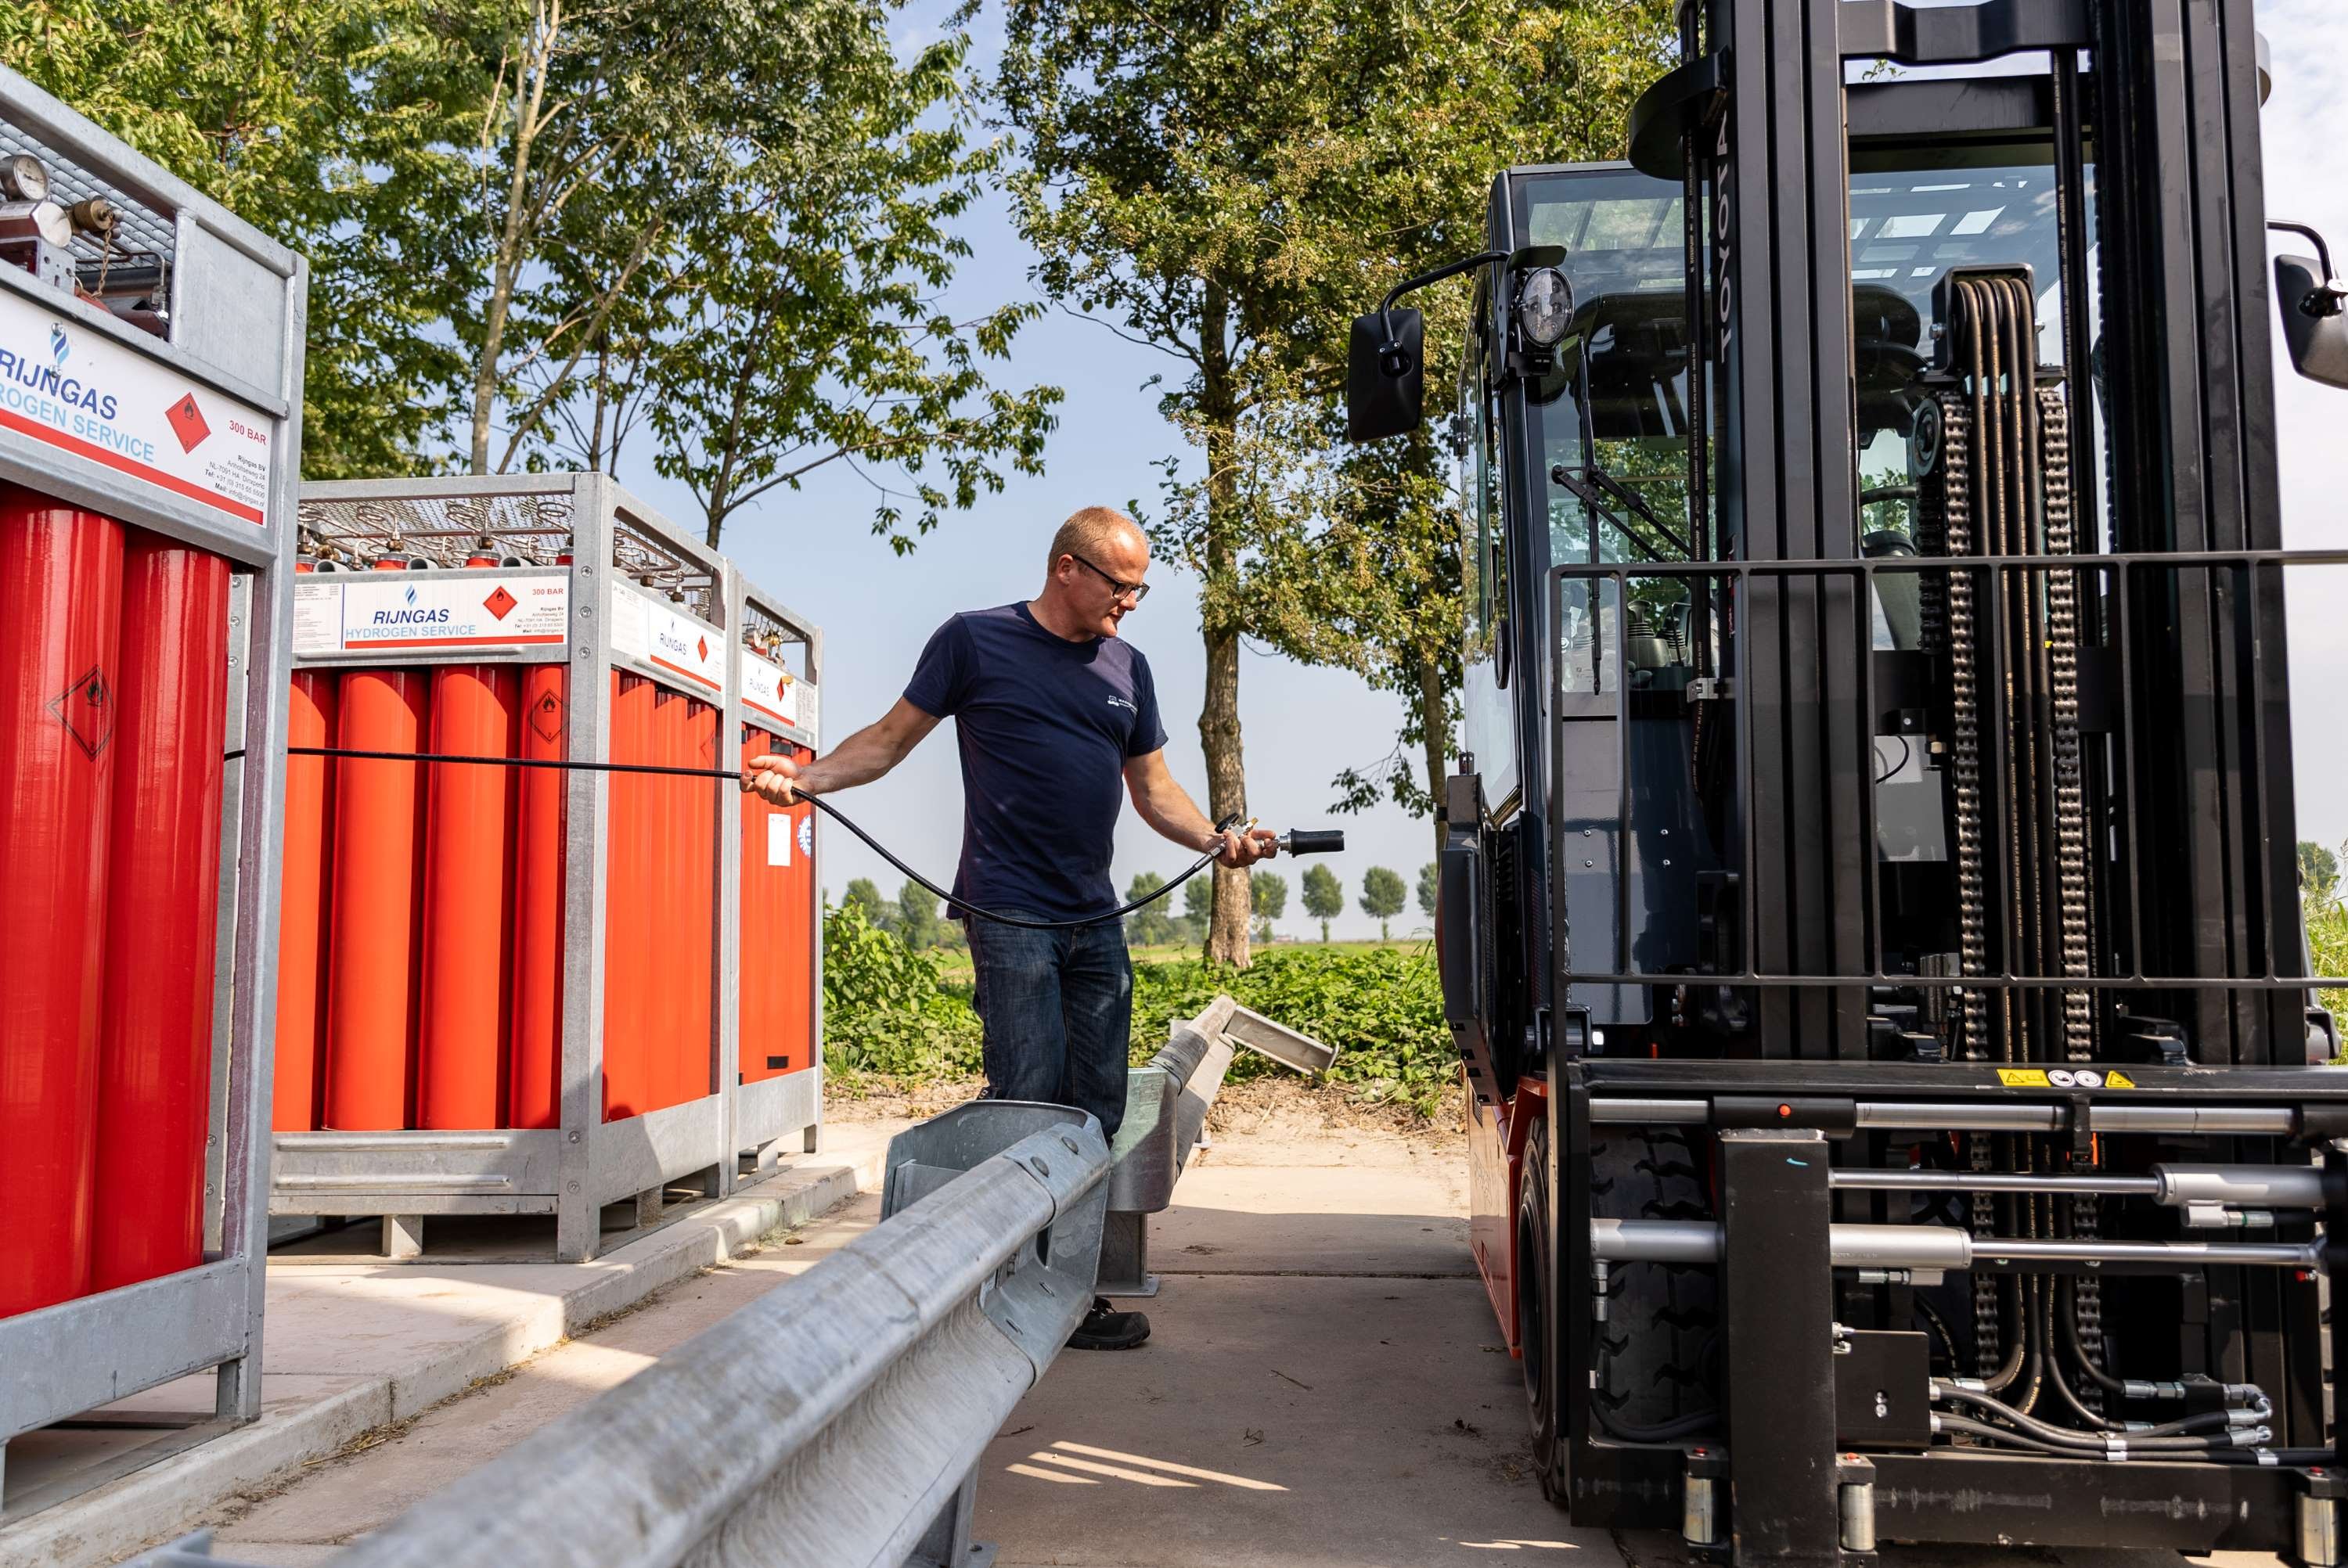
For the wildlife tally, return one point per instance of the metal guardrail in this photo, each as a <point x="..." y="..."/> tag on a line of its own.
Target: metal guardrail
<point x="1165" y="1106"/>
<point x="835" y="1422"/>
<point x="838" y="1421"/>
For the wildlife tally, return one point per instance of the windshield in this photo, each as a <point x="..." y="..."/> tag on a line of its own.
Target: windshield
<point x="1624" y="497"/>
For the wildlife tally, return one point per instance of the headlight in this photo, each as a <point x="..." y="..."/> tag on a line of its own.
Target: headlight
<point x="24" y="178"/>
<point x="1544" y="306"/>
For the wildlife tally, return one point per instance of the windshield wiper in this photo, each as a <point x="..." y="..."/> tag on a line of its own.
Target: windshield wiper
<point x="1592" y="487"/>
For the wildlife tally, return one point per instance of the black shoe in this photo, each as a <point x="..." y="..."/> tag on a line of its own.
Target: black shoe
<point x="1104" y="1328"/>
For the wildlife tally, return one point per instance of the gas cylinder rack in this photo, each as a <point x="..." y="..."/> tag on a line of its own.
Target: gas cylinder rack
<point x="502" y="984"/>
<point x="779" y="1005"/>
<point x="150" y="395"/>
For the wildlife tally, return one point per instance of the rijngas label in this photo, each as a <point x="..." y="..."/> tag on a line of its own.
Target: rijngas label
<point x="77" y="391"/>
<point x="656" y="632"/>
<point x="343" y="613"/>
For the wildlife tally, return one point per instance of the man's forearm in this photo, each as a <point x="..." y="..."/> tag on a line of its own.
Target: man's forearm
<point x="1174" y="814"/>
<point x="862" y="757"/>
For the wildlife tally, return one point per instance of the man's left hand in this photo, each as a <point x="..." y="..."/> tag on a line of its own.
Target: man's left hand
<point x="1246" y="848"/>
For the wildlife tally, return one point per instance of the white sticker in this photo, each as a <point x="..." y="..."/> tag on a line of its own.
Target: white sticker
<point x="806" y="834"/>
<point x="658" y="633"/>
<point x="769" y="689"/>
<point x="778" y="840"/>
<point x="2062" y="1078"/>
<point x="807" y="694"/>
<point x="73" y="389"/>
<point x="338" y="613"/>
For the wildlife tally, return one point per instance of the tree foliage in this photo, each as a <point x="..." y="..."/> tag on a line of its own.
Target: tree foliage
<point x="1382" y="896"/>
<point x="1152" y="926"/>
<point x="1325" y="896"/>
<point x="1268" y="897"/>
<point x="1229" y="183"/>
<point x="1430" y="887"/>
<point x="537" y="225"/>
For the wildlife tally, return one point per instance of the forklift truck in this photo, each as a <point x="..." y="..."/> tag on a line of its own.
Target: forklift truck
<point x="1868" y="906"/>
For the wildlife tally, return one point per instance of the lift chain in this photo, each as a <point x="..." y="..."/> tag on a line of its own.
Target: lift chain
<point x="2063" y="651"/>
<point x="1957" y="530"/>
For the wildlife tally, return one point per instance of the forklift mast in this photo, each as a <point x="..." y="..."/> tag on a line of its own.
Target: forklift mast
<point x="1869" y="913"/>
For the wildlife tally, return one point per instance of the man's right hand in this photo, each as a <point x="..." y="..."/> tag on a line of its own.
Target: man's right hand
<point x="772" y="779"/>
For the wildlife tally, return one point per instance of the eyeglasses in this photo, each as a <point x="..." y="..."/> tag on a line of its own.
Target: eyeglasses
<point x="1140" y="591"/>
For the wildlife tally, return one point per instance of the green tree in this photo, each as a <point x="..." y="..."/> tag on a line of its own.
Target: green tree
<point x="1199" y="909"/>
<point x="1430" y="887"/>
<point x="1325" y="896"/>
<point x="2319" y="874"/>
<point x="917" y="924"/>
<point x="1152" y="926"/>
<point x="1268" y="894"/>
<point x="866" y="899"/>
<point x="814" y="333"/>
<point x="330" y="126"/>
<point x="1229" y="181"/>
<point x="1382" y="896"/>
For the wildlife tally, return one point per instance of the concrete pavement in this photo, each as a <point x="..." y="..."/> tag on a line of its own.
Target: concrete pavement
<point x="354" y="1348"/>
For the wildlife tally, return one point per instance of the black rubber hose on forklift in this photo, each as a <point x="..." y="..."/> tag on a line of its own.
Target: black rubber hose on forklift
<point x="2190" y="1432"/>
<point x="2095" y="1447"/>
<point x="1940" y="1326"/>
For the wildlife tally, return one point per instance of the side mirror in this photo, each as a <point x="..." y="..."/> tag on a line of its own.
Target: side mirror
<point x="2318" y="340"/>
<point x="1385" y="381"/>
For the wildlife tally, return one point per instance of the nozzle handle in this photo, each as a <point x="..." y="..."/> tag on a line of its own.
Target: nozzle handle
<point x="1314" y="841"/>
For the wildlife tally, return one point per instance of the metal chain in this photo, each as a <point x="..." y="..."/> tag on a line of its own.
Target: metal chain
<point x="1972" y="911"/>
<point x="2070" y="799"/>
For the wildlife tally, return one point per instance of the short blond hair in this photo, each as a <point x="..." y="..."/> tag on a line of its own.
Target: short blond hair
<point x="1086" y="530"/>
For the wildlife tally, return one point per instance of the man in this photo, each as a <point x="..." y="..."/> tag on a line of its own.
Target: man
<point x="1051" y="710"/>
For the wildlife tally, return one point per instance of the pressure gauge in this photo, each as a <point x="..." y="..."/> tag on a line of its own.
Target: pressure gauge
<point x="24" y="178"/>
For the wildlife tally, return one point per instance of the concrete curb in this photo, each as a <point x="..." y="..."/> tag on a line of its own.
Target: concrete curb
<point x="164" y="1500"/>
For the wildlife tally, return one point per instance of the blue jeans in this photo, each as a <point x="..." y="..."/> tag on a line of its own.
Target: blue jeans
<point x="1057" y="1007"/>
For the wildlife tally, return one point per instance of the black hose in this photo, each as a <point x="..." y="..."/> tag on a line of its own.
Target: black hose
<point x="2186" y="1432"/>
<point x="828" y="810"/>
<point x="1940" y="1327"/>
<point x="2085" y="1447"/>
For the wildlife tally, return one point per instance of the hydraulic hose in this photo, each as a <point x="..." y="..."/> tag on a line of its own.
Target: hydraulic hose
<point x="1296" y="843"/>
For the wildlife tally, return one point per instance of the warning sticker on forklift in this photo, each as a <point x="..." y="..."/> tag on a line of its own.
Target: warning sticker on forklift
<point x="77" y="391"/>
<point x="2064" y="1078"/>
<point x="349" y="612"/>
<point x="651" y="632"/>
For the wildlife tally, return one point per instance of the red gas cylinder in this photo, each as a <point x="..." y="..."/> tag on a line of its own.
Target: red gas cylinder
<point x="378" y="836"/>
<point x="305" y="914"/>
<point x="60" y="614"/>
<point x="155" y="1054"/>
<point x="664" y="990"/>
<point x="753" y="997"/>
<point x="698" y="938"/>
<point x="534" y="1076"/>
<point x="627" y="922"/>
<point x="796" y="982"/>
<point x="460" y="1058"/>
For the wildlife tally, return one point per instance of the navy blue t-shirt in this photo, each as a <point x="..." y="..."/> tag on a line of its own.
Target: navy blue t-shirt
<point x="1045" y="726"/>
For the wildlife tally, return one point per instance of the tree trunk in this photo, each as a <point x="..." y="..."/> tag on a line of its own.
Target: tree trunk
<point x="1438" y="737"/>
<point x="1218" y="717"/>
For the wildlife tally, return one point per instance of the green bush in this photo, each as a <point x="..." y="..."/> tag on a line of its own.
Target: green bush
<point x="884" y="1008"/>
<point x="1382" y="1010"/>
<point x="888" y="1010"/>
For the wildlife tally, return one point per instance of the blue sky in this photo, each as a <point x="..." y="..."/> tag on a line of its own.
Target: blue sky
<point x="813" y="549"/>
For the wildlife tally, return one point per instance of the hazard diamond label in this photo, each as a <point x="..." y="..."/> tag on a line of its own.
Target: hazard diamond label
<point x="187" y="423"/>
<point x="546" y="716"/>
<point x="85" y="709"/>
<point x="499" y="603"/>
<point x="701" y="646"/>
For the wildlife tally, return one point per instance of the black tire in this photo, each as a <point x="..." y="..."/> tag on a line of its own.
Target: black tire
<point x="1535" y="1285"/>
<point x="1658" y="1349"/>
